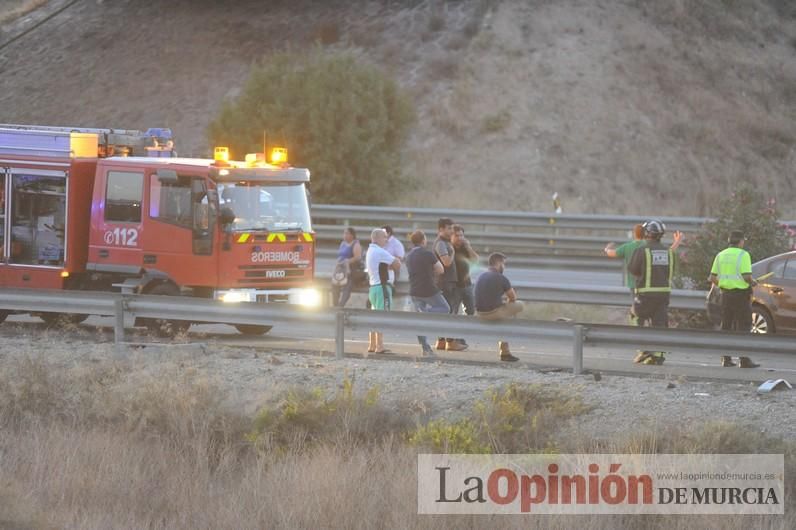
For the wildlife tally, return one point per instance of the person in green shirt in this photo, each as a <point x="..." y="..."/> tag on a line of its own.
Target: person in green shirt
<point x="626" y="250"/>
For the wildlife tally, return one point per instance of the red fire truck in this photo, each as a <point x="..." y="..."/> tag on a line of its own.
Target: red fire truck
<point x="117" y="210"/>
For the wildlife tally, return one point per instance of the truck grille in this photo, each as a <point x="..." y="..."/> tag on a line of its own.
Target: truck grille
<point x="263" y="299"/>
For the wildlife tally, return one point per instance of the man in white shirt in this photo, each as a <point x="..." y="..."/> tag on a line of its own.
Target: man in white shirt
<point x="381" y="274"/>
<point x="394" y="247"/>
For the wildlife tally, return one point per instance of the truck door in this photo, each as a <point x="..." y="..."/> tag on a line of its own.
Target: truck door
<point x="181" y="241"/>
<point x="116" y="227"/>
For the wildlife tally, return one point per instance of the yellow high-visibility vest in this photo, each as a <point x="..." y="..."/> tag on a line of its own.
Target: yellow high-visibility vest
<point x="730" y="265"/>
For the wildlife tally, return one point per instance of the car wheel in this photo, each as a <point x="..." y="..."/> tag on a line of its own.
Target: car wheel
<point x="761" y="320"/>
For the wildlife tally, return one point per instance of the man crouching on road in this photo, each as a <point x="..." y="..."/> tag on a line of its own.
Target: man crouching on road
<point x="490" y="289"/>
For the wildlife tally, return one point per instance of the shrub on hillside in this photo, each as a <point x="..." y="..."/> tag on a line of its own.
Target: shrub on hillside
<point x="747" y="210"/>
<point x="305" y="418"/>
<point x="345" y="120"/>
<point x="513" y="419"/>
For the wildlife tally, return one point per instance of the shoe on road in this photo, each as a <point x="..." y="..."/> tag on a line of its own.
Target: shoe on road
<point x="726" y="361"/>
<point x="504" y="353"/>
<point x="454" y="345"/>
<point x="746" y="362"/>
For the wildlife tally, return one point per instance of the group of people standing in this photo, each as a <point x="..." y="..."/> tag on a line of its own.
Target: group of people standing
<point x="650" y="270"/>
<point x="439" y="280"/>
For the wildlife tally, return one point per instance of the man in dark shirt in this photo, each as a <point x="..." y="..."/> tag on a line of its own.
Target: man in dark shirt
<point x="423" y="266"/>
<point x="443" y="249"/>
<point x="464" y="257"/>
<point x="490" y="289"/>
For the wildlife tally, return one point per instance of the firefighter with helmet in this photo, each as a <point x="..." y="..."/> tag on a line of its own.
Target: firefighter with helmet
<point x="652" y="265"/>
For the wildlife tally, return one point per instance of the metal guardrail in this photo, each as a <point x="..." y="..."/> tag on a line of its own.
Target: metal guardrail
<point x="590" y="263"/>
<point x="600" y="295"/>
<point x="425" y="216"/>
<point x="199" y="310"/>
<point x="489" y="241"/>
<point x="581" y="294"/>
<point x="152" y="306"/>
<point x="577" y="334"/>
<point x="520" y="232"/>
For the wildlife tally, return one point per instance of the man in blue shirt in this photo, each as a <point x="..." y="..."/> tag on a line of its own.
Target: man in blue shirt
<point x="495" y="298"/>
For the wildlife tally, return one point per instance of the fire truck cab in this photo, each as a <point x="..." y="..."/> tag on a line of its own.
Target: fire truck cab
<point x="74" y="214"/>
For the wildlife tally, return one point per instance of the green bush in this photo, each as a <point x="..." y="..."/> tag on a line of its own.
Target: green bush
<point x="747" y="210"/>
<point x="304" y="419"/>
<point x="345" y="120"/>
<point x="514" y="419"/>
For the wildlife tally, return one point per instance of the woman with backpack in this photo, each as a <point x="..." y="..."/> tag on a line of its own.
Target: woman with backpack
<point x="348" y="267"/>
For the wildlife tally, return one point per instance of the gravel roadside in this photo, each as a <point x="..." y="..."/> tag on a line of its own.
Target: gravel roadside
<point x="250" y="377"/>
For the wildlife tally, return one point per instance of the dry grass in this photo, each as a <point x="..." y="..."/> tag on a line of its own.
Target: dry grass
<point x="91" y="448"/>
<point x="11" y="9"/>
<point x="495" y="123"/>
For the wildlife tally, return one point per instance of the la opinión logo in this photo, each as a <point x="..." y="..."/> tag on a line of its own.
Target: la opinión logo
<point x="504" y="486"/>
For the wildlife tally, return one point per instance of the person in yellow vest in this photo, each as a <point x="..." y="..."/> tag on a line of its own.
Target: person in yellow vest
<point x="732" y="273"/>
<point x="653" y="267"/>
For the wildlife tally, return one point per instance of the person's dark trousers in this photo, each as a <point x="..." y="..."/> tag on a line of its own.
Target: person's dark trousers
<point x="468" y="299"/>
<point x="736" y="310"/>
<point x="455" y="300"/>
<point x="451" y="296"/>
<point x="466" y="296"/>
<point x="340" y="295"/>
<point x="653" y="309"/>
<point x="430" y="304"/>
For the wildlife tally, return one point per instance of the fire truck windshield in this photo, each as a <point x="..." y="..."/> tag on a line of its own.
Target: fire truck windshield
<point x="266" y="206"/>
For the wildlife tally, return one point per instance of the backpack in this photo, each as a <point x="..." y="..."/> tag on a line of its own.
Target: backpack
<point x="341" y="273"/>
<point x="713" y="305"/>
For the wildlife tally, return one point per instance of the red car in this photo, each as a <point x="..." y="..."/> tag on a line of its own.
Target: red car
<point x="774" y="299"/>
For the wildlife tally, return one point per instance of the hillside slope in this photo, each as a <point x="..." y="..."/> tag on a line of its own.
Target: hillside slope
<point x="622" y="106"/>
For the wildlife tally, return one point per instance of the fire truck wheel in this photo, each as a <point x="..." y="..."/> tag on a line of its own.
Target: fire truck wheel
<point x="248" y="329"/>
<point x="162" y="327"/>
<point x="58" y="320"/>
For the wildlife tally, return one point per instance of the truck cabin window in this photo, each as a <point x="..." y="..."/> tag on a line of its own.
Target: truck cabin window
<point x="170" y="202"/>
<point x="123" y="197"/>
<point x="261" y="206"/>
<point x="38" y="220"/>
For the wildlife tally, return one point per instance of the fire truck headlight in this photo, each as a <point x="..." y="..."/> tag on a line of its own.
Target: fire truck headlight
<point x="309" y="297"/>
<point x="235" y="296"/>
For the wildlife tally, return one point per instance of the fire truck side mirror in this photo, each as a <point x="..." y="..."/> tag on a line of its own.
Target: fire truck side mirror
<point x="167" y="176"/>
<point x="226" y="216"/>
